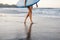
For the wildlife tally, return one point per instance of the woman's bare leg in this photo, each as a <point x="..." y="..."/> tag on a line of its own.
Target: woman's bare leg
<point x="29" y="14"/>
<point x="26" y="17"/>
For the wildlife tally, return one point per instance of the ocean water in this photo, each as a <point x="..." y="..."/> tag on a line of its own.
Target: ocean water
<point x="46" y="24"/>
<point x="40" y="11"/>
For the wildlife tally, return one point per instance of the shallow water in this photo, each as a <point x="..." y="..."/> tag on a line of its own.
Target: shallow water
<point x="45" y="27"/>
<point x="41" y="11"/>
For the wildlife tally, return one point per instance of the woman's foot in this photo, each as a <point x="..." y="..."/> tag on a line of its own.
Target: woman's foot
<point x="24" y="21"/>
<point x="31" y="22"/>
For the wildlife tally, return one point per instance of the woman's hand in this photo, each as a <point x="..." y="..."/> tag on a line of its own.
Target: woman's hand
<point x="25" y="3"/>
<point x="36" y="5"/>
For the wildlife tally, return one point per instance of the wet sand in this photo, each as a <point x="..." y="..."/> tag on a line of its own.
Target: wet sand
<point x="44" y="28"/>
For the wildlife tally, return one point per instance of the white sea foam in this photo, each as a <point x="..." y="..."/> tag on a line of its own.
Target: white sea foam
<point x="16" y="12"/>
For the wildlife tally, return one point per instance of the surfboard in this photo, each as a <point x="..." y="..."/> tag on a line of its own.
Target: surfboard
<point x="21" y="3"/>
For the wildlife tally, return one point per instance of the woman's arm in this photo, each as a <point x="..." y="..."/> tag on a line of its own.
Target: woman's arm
<point x="36" y="5"/>
<point x="25" y="2"/>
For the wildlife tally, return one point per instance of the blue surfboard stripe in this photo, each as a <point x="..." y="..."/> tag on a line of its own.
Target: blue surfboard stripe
<point x="27" y="5"/>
